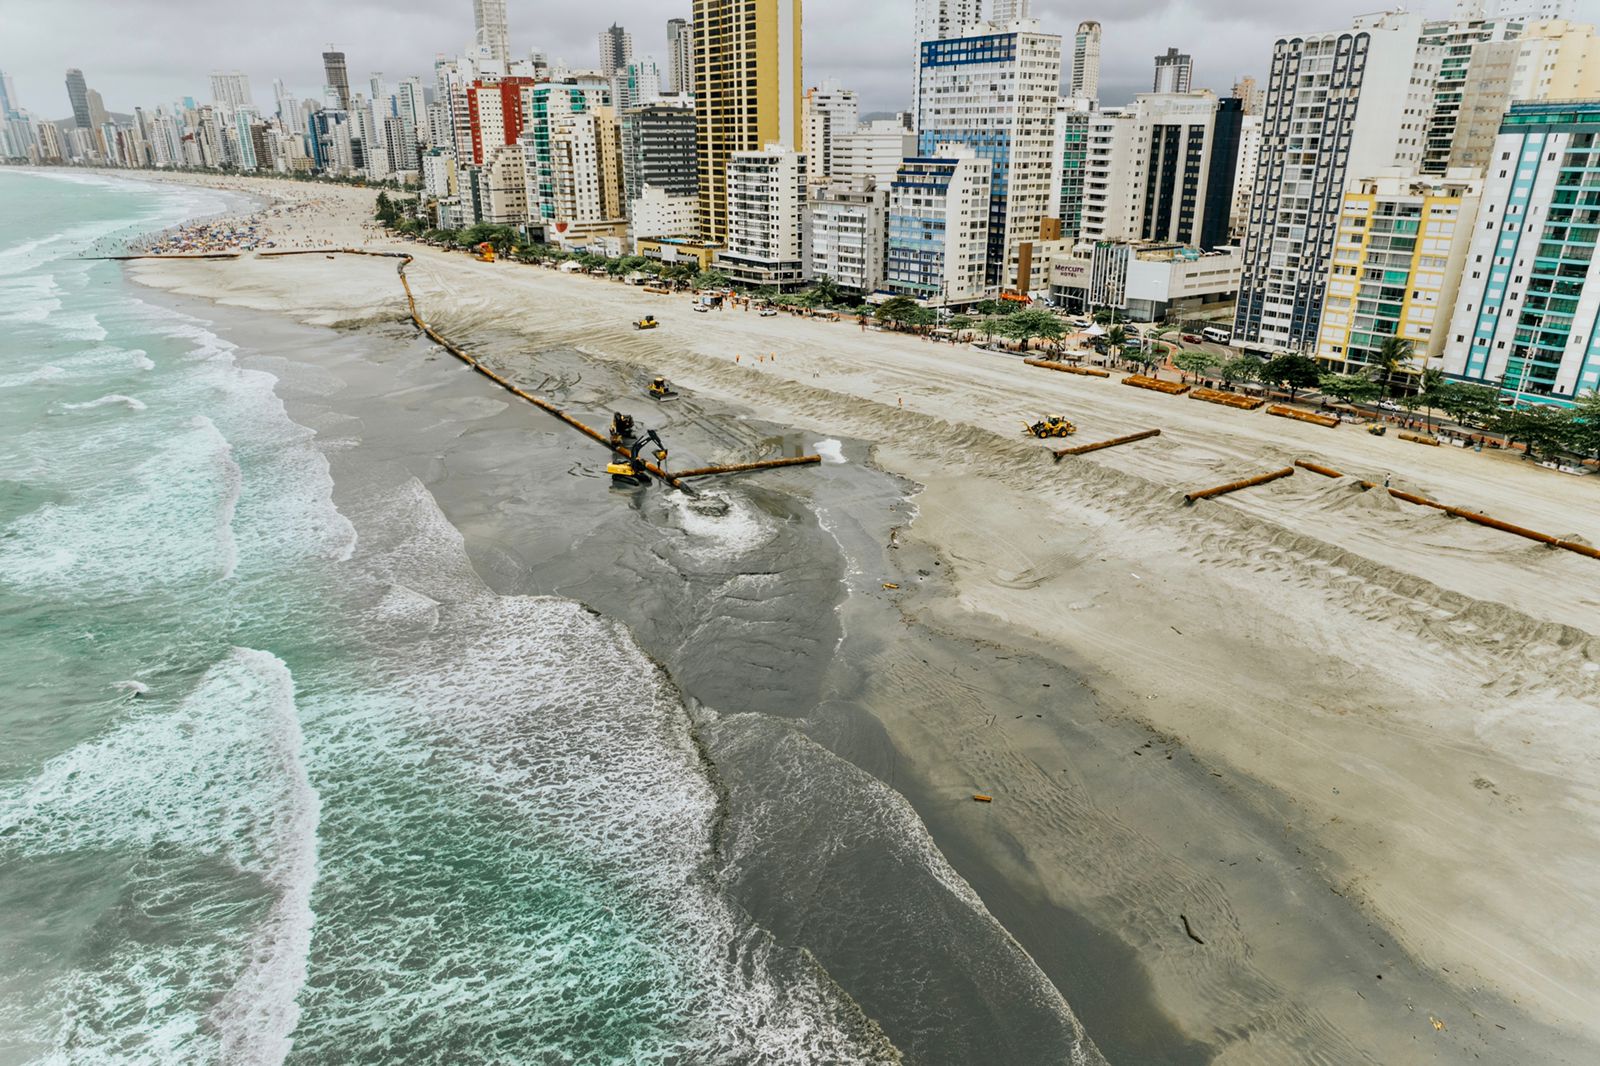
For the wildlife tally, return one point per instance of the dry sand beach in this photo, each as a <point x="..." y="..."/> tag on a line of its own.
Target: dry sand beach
<point x="1353" y="743"/>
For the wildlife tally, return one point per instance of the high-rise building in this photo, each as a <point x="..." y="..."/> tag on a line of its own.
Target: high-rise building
<point x="1458" y="40"/>
<point x="97" y="109"/>
<point x="680" y="56"/>
<point x="586" y="170"/>
<point x="1547" y="60"/>
<point x="1340" y="106"/>
<point x="543" y="107"/>
<point x="1005" y="12"/>
<point x="8" y="96"/>
<point x="636" y="84"/>
<point x="1253" y="96"/>
<point x="831" y="111"/>
<point x="1069" y="162"/>
<point x="1402" y="242"/>
<point x="1085" y="82"/>
<point x="1527" y="315"/>
<point x="1174" y="72"/>
<point x="490" y="28"/>
<point x="766" y="242"/>
<point x="938" y="229"/>
<point x="874" y="150"/>
<point x="996" y="92"/>
<point x="847" y="223"/>
<point x="934" y="20"/>
<point x="231" y="91"/>
<point x="1245" y="175"/>
<point x="338" y="76"/>
<point x="78" y="93"/>
<point x="747" y="92"/>
<point x="616" y="49"/>
<point x="658" y="150"/>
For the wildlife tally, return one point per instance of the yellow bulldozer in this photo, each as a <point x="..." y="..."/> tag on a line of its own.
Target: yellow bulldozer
<point x="661" y="389"/>
<point x="1052" y="426"/>
<point x="484" y="253"/>
<point x="647" y="322"/>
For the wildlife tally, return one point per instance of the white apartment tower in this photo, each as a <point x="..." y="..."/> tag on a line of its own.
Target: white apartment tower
<point x="1340" y="107"/>
<point x="1008" y="11"/>
<point x="1174" y="72"/>
<point x="938" y="249"/>
<point x="934" y="20"/>
<point x="847" y="222"/>
<point x="231" y="91"/>
<point x="996" y="91"/>
<point x="1085" y="84"/>
<point x="831" y="112"/>
<point x="680" y="56"/>
<point x="616" y="49"/>
<point x="490" y="28"/>
<point x="766" y="218"/>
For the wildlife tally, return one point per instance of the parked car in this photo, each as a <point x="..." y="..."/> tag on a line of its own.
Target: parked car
<point x="1389" y="405"/>
<point x="768" y="312"/>
<point x="1191" y="338"/>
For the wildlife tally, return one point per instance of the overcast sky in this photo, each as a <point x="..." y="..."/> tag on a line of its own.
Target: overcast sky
<point x="154" y="51"/>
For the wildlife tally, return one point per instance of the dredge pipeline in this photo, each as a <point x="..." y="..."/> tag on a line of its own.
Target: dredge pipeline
<point x="1235" y="486"/>
<point x="674" y="480"/>
<point x="1458" y="512"/>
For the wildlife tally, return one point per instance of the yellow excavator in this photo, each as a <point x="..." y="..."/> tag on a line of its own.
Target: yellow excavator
<point x="484" y="253"/>
<point x="661" y="389"/>
<point x="629" y="472"/>
<point x="1052" y="426"/>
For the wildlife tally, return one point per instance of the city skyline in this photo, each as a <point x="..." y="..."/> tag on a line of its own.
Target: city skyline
<point x="866" y="49"/>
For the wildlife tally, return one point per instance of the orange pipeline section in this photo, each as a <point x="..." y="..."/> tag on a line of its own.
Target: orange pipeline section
<point x="1228" y="399"/>
<point x="1140" y="381"/>
<point x="1470" y="516"/>
<point x="1068" y="368"/>
<point x="1084" y="449"/>
<point x="1235" y="486"/>
<point x="1304" y="416"/>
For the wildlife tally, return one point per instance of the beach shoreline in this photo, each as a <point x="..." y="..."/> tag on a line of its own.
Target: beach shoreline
<point x="1294" y="773"/>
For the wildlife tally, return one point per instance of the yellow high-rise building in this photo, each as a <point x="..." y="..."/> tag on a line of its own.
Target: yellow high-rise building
<point x="747" y="92"/>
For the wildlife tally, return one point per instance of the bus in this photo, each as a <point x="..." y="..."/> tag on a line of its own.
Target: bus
<point x="1216" y="335"/>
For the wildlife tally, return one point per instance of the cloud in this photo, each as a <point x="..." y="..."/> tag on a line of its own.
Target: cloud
<point x="149" y="52"/>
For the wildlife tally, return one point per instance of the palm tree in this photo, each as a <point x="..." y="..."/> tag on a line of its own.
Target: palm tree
<point x="827" y="290"/>
<point x="1393" y="357"/>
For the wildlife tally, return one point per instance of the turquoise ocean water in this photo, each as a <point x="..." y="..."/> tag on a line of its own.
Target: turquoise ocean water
<point x="275" y="783"/>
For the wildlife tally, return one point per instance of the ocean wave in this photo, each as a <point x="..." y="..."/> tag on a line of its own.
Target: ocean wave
<point x="233" y="487"/>
<point x="219" y="776"/>
<point x="113" y="400"/>
<point x="30" y="377"/>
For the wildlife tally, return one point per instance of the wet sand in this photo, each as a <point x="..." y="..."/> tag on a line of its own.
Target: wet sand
<point x="1340" y="738"/>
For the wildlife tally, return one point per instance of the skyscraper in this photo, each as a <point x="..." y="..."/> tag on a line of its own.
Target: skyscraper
<point x="1008" y="11"/>
<point x="1086" y="62"/>
<point x="1174" y="72"/>
<point x="1013" y="128"/>
<point x="490" y="29"/>
<point x="1340" y="107"/>
<point x="1526" y="318"/>
<point x="1254" y="97"/>
<point x="78" y="93"/>
<point x="747" y="92"/>
<point x="8" y="96"/>
<point x="830" y="111"/>
<point x="231" y="91"/>
<point x="616" y="49"/>
<point x="680" y="56"/>
<point x="935" y="20"/>
<point x="338" y="76"/>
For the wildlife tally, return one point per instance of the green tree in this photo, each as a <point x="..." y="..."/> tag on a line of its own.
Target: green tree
<point x="1293" y="372"/>
<point x="828" y="291"/>
<point x="1471" y="405"/>
<point x="1115" y="338"/>
<point x="1586" y="424"/>
<point x="1241" y="369"/>
<point x="1350" y="388"/>
<point x="1393" y="359"/>
<point x="1545" y="428"/>
<point x="1192" y="364"/>
<point x="386" y="211"/>
<point x="1023" y="326"/>
<point x="710" y="279"/>
<point x="959" y="324"/>
<point x="898" y="311"/>
<point x="1431" y="389"/>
